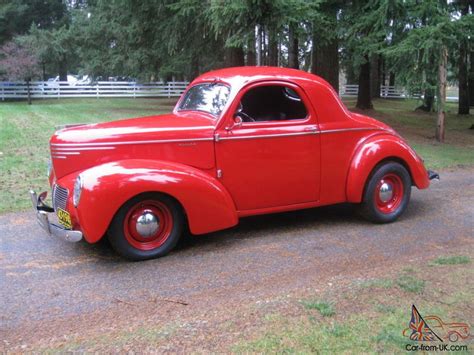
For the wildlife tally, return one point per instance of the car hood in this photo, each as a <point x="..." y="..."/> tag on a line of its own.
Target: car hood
<point x="180" y="138"/>
<point x="161" y="127"/>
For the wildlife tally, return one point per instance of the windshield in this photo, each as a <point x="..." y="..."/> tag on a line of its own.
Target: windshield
<point x="209" y="98"/>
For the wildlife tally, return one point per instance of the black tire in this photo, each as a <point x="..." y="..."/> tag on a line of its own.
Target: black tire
<point x="123" y="242"/>
<point x="372" y="207"/>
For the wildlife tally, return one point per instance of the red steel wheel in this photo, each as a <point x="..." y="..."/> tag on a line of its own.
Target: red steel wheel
<point x="147" y="226"/>
<point x="387" y="193"/>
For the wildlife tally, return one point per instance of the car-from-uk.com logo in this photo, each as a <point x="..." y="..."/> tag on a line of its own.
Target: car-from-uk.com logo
<point x="439" y="335"/>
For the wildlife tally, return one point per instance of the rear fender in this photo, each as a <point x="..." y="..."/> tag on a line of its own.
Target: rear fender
<point x="207" y="204"/>
<point x="375" y="150"/>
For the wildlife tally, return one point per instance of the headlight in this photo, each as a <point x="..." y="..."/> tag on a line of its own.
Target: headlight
<point x="76" y="196"/>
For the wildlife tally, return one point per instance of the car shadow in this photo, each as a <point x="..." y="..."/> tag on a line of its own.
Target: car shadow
<point x="257" y="227"/>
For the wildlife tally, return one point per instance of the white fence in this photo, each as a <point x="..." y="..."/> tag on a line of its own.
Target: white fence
<point x="387" y="92"/>
<point x="55" y="89"/>
<point x="60" y="89"/>
<point x="393" y="92"/>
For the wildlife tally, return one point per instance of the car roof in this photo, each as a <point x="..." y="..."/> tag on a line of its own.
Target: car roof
<point x="244" y="75"/>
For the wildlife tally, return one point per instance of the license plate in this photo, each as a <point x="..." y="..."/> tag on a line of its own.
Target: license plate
<point x="64" y="218"/>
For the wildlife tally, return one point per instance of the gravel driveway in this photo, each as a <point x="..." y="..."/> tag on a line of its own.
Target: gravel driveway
<point x="50" y="288"/>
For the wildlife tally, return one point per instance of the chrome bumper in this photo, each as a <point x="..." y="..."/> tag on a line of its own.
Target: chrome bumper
<point x="433" y="175"/>
<point x="42" y="210"/>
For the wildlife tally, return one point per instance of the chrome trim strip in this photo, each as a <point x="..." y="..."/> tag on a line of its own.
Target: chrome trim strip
<point x="351" y="129"/>
<point x="65" y="153"/>
<point x="59" y="149"/>
<point x="129" y="142"/>
<point x="271" y="135"/>
<point x="58" y="157"/>
<point x="109" y="145"/>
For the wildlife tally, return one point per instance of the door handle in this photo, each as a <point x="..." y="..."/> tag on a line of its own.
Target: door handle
<point x="311" y="129"/>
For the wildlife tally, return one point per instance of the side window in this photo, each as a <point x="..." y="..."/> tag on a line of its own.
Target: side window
<point x="271" y="103"/>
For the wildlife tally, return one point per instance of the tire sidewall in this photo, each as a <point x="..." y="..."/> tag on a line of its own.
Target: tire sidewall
<point x="117" y="237"/>
<point x="369" y="205"/>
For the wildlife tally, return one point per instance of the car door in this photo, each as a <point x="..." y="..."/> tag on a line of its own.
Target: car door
<point x="274" y="160"/>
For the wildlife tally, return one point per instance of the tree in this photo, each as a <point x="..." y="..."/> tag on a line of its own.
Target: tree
<point x="463" y="108"/>
<point x="17" y="16"/>
<point x="325" y="43"/>
<point x="432" y="32"/>
<point x="293" y="48"/>
<point x="18" y="63"/>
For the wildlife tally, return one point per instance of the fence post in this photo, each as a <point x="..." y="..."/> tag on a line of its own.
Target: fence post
<point x="3" y="94"/>
<point x="97" y="90"/>
<point x="169" y="90"/>
<point x="134" y="89"/>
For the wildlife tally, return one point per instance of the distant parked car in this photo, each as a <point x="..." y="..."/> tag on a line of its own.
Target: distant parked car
<point x="240" y="142"/>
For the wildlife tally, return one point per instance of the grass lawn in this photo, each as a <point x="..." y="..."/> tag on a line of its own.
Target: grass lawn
<point x="369" y="316"/>
<point x="25" y="131"/>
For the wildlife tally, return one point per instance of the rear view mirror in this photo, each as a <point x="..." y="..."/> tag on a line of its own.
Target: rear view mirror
<point x="237" y="122"/>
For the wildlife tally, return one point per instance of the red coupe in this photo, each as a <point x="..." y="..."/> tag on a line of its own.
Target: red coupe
<point x="240" y="142"/>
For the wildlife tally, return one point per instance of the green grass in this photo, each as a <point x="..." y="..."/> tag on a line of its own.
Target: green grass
<point x="371" y="320"/>
<point x="377" y="283"/>
<point x="452" y="260"/>
<point x="438" y="156"/>
<point x="326" y="309"/>
<point x="25" y="131"/>
<point x="410" y="283"/>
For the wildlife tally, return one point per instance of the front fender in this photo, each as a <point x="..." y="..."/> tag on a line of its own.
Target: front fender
<point x="207" y="204"/>
<point x="376" y="149"/>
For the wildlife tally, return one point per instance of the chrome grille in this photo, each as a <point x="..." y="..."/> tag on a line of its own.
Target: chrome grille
<point x="60" y="195"/>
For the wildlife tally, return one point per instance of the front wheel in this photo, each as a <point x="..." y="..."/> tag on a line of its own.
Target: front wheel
<point x="387" y="193"/>
<point x="147" y="226"/>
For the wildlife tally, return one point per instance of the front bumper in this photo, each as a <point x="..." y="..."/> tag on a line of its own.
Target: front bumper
<point x="433" y="175"/>
<point x="42" y="210"/>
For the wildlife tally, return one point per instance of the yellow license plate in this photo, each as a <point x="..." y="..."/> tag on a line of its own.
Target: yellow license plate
<point x="64" y="218"/>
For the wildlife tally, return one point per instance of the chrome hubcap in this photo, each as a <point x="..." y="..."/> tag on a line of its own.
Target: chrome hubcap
<point x="147" y="224"/>
<point x="386" y="192"/>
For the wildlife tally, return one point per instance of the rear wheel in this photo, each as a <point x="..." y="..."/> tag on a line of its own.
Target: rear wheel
<point x="387" y="193"/>
<point x="147" y="226"/>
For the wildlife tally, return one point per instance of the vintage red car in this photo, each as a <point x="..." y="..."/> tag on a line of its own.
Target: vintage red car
<point x="240" y="142"/>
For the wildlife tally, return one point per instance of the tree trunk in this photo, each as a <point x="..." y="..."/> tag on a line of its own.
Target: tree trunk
<point x="294" y="47"/>
<point x="463" y="108"/>
<point x="62" y="69"/>
<point x="43" y="67"/>
<point x="364" y="100"/>
<point x="325" y="54"/>
<point x="251" y="58"/>
<point x="264" y="46"/>
<point x="194" y="67"/>
<point x="28" y="90"/>
<point x="470" y="79"/>
<point x="351" y="77"/>
<point x="391" y="79"/>
<point x="259" y="45"/>
<point x="383" y="77"/>
<point x="272" y="48"/>
<point x="234" y="57"/>
<point x="442" y="74"/>
<point x="375" y="76"/>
